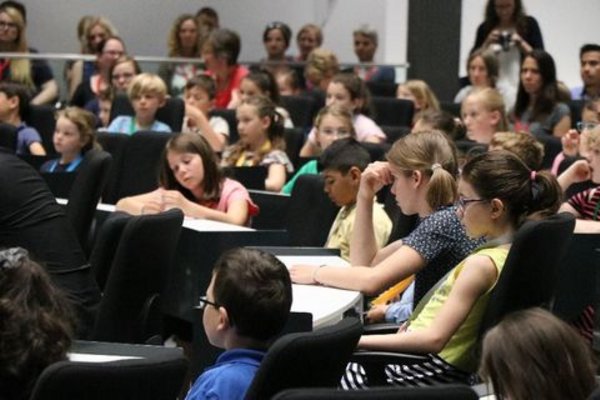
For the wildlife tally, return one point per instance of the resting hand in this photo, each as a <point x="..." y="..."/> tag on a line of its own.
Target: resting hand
<point x="174" y="199"/>
<point x="579" y="171"/>
<point x="376" y="314"/>
<point x="374" y="177"/>
<point x="303" y="274"/>
<point x="570" y="143"/>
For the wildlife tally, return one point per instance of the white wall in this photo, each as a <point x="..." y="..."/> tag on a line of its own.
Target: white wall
<point x="565" y="26"/>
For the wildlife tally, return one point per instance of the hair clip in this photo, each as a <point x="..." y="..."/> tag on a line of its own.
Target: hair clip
<point x="436" y="166"/>
<point x="13" y="257"/>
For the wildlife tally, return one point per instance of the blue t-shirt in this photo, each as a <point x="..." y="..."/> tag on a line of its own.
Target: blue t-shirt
<point x="26" y="135"/>
<point x="229" y="378"/>
<point x="126" y="124"/>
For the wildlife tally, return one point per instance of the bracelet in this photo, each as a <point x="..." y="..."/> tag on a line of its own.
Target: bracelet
<point x="314" y="274"/>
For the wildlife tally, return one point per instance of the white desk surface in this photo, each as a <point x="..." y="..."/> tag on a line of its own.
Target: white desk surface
<point x="326" y="304"/>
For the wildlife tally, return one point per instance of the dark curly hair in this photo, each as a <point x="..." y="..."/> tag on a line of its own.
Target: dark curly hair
<point x="36" y="323"/>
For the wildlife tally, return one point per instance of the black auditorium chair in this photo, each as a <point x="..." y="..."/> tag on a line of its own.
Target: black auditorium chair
<point x="273" y="209"/>
<point x="129" y="311"/>
<point x="394" y="133"/>
<point x="8" y="136"/>
<point x="136" y="171"/>
<point x="294" y="140"/>
<point x="115" y="144"/>
<point x="382" y="89"/>
<point x="528" y="279"/>
<point x="376" y="151"/>
<point x="392" y="111"/>
<point x="310" y="212"/>
<point x="302" y="110"/>
<point x="451" y="108"/>
<point x="306" y="359"/>
<point x="85" y="193"/>
<point x="229" y="116"/>
<point x="552" y="147"/>
<point x="42" y="118"/>
<point x="250" y="177"/>
<point x="171" y="113"/>
<point x="576" y="107"/>
<point x="157" y="377"/>
<point x="446" y="392"/>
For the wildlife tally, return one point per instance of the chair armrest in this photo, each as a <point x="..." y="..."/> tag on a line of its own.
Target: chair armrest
<point x="380" y="328"/>
<point x="374" y="363"/>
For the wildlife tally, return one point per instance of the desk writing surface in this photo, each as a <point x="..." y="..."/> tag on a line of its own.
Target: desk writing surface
<point x="326" y="304"/>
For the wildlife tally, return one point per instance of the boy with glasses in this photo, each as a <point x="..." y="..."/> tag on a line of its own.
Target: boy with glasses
<point x="246" y="306"/>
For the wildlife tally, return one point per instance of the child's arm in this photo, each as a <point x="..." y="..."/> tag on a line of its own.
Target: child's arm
<point x="310" y="148"/>
<point x="198" y="120"/>
<point x="275" y="177"/>
<point x="147" y="203"/>
<point x="566" y="207"/>
<point x="477" y="276"/>
<point x="363" y="246"/>
<point x="36" y="149"/>
<point x="579" y="171"/>
<point x="237" y="210"/>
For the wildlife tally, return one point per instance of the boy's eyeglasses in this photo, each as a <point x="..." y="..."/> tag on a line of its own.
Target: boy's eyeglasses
<point x="463" y="202"/>
<point x="203" y="302"/>
<point x="583" y="125"/>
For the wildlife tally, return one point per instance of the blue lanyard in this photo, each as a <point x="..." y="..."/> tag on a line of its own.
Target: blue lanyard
<point x="72" y="165"/>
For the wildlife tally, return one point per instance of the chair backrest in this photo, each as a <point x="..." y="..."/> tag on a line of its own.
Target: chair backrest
<point x="41" y="117"/>
<point x="8" y="136"/>
<point x="382" y="89"/>
<point x="392" y="111"/>
<point x="106" y="244"/>
<point x="139" y="272"/>
<point x="394" y="133"/>
<point x="529" y="276"/>
<point x="301" y="109"/>
<point x="552" y="147"/>
<point x="171" y="113"/>
<point x="310" y="212"/>
<point x="250" y="177"/>
<point x="376" y="150"/>
<point x="273" y="209"/>
<point x="446" y="392"/>
<point x="85" y="192"/>
<point x="576" y="107"/>
<point x="310" y="359"/>
<point x="159" y="377"/>
<point x="451" y="107"/>
<point x="115" y="144"/>
<point x="229" y="116"/>
<point x="294" y="140"/>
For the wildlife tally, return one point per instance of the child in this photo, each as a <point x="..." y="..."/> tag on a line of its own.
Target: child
<point x="246" y="306"/>
<point x="105" y="99"/>
<point x="343" y="163"/>
<point x="497" y="193"/>
<point x="190" y="179"/>
<point x="147" y="94"/>
<point x="73" y="137"/>
<point x="261" y="141"/>
<point x="348" y="90"/>
<point x="37" y="323"/>
<point x="531" y="354"/>
<point x="262" y="83"/>
<point x="332" y="123"/>
<point x="524" y="145"/>
<point x="421" y="167"/>
<point x="288" y="83"/>
<point x="199" y="96"/>
<point x="483" y="113"/>
<point x="14" y="105"/>
<point x="420" y="94"/>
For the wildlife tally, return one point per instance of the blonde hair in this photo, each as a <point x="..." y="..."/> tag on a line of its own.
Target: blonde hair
<point x="338" y="112"/>
<point x="523" y="144"/>
<point x="146" y="83"/>
<point x="20" y="69"/>
<point x="592" y="139"/>
<point x="492" y="101"/>
<point x="434" y="155"/>
<point x="321" y="64"/>
<point x="174" y="43"/>
<point x="85" y="122"/>
<point x="423" y="93"/>
<point x="105" y="24"/>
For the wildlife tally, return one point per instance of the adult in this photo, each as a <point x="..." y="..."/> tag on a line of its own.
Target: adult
<point x="482" y="71"/>
<point x="365" y="46"/>
<point x="220" y="53"/>
<point x="276" y="39"/>
<point x="108" y="51"/>
<point x="511" y="34"/>
<point x="31" y="218"/>
<point x="309" y="37"/>
<point x="538" y="109"/>
<point x="207" y="20"/>
<point x="95" y="31"/>
<point x="184" y="41"/>
<point x="589" y="57"/>
<point x="36" y="74"/>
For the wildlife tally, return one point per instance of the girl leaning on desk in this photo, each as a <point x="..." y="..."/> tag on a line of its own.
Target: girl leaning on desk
<point x="190" y="179"/>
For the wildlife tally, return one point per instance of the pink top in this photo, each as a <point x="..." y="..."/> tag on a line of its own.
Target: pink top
<point x="364" y="126"/>
<point x="231" y="191"/>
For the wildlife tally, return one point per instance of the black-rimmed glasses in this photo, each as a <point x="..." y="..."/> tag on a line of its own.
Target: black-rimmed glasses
<point x="203" y="302"/>
<point x="463" y="202"/>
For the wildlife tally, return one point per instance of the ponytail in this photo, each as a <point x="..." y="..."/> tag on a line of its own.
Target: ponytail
<point x="442" y="189"/>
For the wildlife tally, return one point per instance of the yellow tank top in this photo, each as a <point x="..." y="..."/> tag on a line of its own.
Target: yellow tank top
<point x="459" y="351"/>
